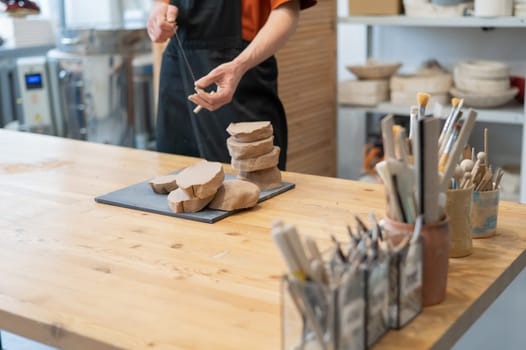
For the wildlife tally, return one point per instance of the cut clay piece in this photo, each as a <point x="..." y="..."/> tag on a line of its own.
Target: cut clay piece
<point x="235" y="194"/>
<point x="266" y="179"/>
<point x="202" y="179"/>
<point x="244" y="150"/>
<point x="180" y="202"/>
<point x="268" y="160"/>
<point x="164" y="184"/>
<point x="250" y="131"/>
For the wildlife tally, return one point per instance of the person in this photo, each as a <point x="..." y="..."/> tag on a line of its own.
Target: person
<point x="228" y="47"/>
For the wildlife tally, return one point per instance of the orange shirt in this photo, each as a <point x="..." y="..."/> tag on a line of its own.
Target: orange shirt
<point x="254" y="14"/>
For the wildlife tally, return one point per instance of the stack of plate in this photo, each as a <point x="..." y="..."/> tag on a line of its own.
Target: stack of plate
<point x="372" y="86"/>
<point x="519" y="8"/>
<point x="483" y="84"/>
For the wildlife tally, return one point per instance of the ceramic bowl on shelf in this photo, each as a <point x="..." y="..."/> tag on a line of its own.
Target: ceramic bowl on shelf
<point x="483" y="69"/>
<point x="478" y="100"/>
<point x="374" y="70"/>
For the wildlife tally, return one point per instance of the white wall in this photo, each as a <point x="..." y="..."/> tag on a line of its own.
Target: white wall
<point x="351" y="43"/>
<point x="98" y="13"/>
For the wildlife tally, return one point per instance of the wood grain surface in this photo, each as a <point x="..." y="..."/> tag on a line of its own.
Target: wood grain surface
<point x="307" y="87"/>
<point x="79" y="275"/>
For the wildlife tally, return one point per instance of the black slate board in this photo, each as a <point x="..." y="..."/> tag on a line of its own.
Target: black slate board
<point x="141" y="197"/>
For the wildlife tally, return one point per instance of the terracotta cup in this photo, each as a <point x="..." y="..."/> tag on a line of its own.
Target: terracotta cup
<point x="458" y="209"/>
<point x="436" y="256"/>
<point x="484" y="213"/>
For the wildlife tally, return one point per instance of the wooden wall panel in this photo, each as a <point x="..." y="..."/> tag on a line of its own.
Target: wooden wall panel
<point x="307" y="87"/>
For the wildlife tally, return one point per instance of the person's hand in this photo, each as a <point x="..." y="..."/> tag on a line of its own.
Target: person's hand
<point x="161" y="24"/>
<point x="226" y="76"/>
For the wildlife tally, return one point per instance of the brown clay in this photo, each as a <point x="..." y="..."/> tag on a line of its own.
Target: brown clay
<point x="164" y="184"/>
<point x="244" y="150"/>
<point x="250" y="131"/>
<point x="235" y="194"/>
<point x="202" y="179"/>
<point x="180" y="202"/>
<point x="268" y="160"/>
<point x="265" y="179"/>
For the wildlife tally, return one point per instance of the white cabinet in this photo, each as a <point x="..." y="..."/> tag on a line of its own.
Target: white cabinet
<point x="412" y="40"/>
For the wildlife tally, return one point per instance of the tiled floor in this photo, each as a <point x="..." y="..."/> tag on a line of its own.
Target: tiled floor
<point x="500" y="327"/>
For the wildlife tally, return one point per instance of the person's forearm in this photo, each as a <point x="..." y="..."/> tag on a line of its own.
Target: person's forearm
<point x="279" y="27"/>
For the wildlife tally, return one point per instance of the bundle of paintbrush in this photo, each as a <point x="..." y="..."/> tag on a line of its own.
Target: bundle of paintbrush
<point x="416" y="171"/>
<point x="351" y="294"/>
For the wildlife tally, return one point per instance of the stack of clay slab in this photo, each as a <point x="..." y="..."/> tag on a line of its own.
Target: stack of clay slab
<point x="372" y="86"/>
<point x="254" y="156"/>
<point x="202" y="185"/>
<point x="197" y="187"/>
<point x="432" y="80"/>
<point x="483" y="84"/>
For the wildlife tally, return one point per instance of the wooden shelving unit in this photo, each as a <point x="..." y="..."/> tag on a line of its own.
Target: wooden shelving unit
<point x="473" y="22"/>
<point x="512" y="114"/>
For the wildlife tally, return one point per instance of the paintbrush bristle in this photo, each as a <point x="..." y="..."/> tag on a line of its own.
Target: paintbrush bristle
<point x="455" y="101"/>
<point x="423" y="98"/>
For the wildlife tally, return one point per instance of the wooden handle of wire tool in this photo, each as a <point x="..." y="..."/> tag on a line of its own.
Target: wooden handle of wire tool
<point x="199" y="108"/>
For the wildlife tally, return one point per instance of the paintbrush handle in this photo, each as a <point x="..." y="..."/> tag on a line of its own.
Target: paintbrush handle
<point x="461" y="142"/>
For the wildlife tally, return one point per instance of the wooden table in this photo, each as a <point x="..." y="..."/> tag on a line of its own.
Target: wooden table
<point x="80" y="275"/>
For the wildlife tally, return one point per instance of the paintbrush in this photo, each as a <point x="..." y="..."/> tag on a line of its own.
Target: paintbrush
<point x="446" y="152"/>
<point x="458" y="147"/>
<point x="422" y="99"/>
<point x="452" y="118"/>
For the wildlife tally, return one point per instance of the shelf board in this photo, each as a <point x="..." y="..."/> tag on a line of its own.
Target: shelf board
<point x="510" y="114"/>
<point x="475" y="22"/>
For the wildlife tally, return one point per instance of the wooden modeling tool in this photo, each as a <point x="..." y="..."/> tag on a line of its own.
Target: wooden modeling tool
<point x="486" y="144"/>
<point x="466" y="153"/>
<point x="199" y="108"/>
<point x="429" y="133"/>
<point x="402" y="178"/>
<point x="479" y="169"/>
<point x="402" y="146"/>
<point x="387" y="125"/>
<point x="413" y="115"/>
<point x="391" y="195"/>
<point x="280" y="235"/>
<point x="418" y="161"/>
<point x="458" y="175"/>
<point x="467" y="165"/>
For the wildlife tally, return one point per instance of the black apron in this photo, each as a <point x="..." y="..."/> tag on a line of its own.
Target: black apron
<point x="210" y="31"/>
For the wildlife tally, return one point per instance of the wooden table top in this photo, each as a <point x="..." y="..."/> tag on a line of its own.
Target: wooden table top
<point x="76" y="274"/>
